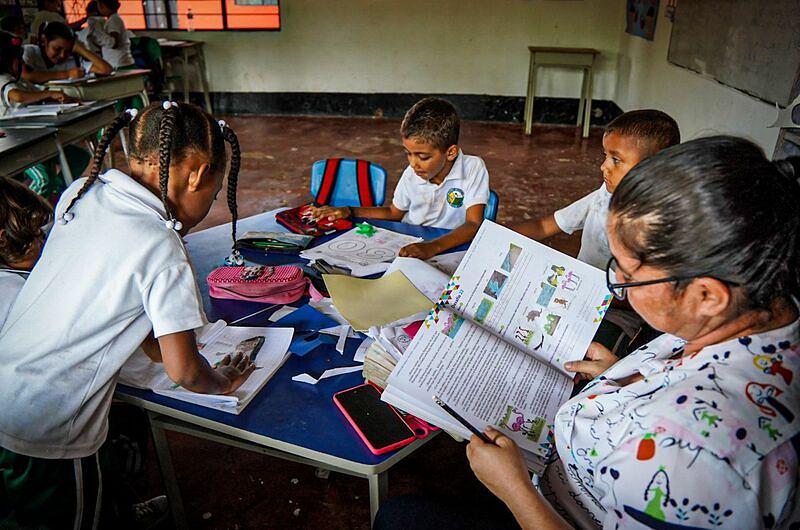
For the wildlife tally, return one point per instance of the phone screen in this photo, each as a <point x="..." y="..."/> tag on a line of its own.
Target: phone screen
<point x="378" y="422"/>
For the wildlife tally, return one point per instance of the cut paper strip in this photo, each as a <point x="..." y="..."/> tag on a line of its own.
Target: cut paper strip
<point x="361" y="352"/>
<point x="282" y="312"/>
<point x="366" y="303"/>
<point x="332" y="372"/>
<point x="337" y="331"/>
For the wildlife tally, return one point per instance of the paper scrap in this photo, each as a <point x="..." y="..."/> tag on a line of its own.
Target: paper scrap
<point x="282" y="312"/>
<point x="326" y="307"/>
<point x="361" y="352"/>
<point x="337" y="330"/>
<point x="366" y="303"/>
<point x="428" y="279"/>
<point x="342" y="339"/>
<point x="311" y="380"/>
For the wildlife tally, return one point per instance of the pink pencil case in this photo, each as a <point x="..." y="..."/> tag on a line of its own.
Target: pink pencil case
<point x="272" y="285"/>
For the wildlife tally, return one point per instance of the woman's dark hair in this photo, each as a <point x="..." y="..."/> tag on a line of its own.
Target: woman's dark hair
<point x="170" y="135"/>
<point x="22" y="215"/>
<point x="10" y="49"/>
<point x="56" y="30"/>
<point x="714" y="207"/>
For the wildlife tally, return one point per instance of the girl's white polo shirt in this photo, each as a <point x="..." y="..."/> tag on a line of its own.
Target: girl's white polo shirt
<point x="105" y="280"/>
<point x="443" y="205"/>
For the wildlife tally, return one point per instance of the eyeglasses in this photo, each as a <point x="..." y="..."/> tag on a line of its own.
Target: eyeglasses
<point x="618" y="289"/>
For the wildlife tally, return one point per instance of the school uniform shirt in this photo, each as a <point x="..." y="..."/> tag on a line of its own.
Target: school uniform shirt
<point x="105" y="279"/>
<point x="443" y="205"/>
<point x="9" y="83"/>
<point x="93" y="34"/>
<point x="11" y="281"/>
<point x="120" y="56"/>
<point x="589" y="214"/>
<point x="32" y="56"/>
<point x="703" y="441"/>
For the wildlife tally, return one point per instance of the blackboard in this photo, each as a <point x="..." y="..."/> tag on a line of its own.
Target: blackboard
<point x="750" y="45"/>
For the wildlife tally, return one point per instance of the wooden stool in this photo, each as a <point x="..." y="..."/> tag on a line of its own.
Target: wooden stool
<point x="582" y="58"/>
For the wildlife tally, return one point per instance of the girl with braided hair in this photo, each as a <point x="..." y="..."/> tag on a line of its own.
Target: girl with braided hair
<point x="114" y="276"/>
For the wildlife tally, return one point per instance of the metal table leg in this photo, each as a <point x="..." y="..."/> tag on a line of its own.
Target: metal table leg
<point x="168" y="473"/>
<point x="530" y="96"/>
<point x="378" y="491"/>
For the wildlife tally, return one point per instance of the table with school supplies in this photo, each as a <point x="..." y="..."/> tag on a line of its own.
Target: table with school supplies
<point x="287" y="419"/>
<point x="71" y="127"/>
<point x="121" y="84"/>
<point x="22" y="148"/>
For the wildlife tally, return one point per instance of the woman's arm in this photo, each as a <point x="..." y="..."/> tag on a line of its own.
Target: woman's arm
<point x="99" y="65"/>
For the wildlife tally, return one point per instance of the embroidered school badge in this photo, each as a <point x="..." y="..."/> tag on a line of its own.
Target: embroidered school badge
<point x="455" y="197"/>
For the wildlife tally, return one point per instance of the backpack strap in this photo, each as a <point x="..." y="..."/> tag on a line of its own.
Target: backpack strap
<point x="328" y="183"/>
<point x="365" y="196"/>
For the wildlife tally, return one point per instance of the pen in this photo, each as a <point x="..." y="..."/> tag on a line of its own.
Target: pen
<point x="461" y="420"/>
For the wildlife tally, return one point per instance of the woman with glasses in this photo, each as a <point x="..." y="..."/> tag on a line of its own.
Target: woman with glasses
<point x="698" y="428"/>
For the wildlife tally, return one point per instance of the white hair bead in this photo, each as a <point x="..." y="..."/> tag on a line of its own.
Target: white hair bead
<point x="222" y="124"/>
<point x="132" y="113"/>
<point x="166" y="105"/>
<point x="170" y="224"/>
<point x="178" y="225"/>
<point x="68" y="216"/>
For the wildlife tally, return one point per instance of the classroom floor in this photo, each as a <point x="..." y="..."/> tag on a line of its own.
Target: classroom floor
<point x="231" y="489"/>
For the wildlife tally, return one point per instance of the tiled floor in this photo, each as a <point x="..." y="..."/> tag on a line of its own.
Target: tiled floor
<point x="226" y="488"/>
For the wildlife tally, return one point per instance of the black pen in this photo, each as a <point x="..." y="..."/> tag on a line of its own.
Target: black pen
<point x="461" y="420"/>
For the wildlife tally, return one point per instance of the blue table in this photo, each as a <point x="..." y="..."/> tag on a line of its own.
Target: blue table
<point x="289" y="420"/>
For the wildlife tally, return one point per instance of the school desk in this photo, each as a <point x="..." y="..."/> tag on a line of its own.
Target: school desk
<point x="71" y="127"/>
<point x="22" y="148"/>
<point x="582" y="58"/>
<point x="188" y="52"/>
<point x="287" y="419"/>
<point x="119" y="85"/>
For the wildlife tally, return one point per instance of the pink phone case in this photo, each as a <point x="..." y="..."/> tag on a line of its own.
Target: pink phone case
<point x="374" y="450"/>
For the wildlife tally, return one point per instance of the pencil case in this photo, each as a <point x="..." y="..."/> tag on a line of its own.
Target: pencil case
<point x="271" y="285"/>
<point x="296" y="221"/>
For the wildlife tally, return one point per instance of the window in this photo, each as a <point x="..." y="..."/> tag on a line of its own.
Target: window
<point x="191" y="14"/>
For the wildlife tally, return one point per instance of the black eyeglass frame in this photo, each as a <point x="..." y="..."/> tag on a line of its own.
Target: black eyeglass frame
<point x="670" y="279"/>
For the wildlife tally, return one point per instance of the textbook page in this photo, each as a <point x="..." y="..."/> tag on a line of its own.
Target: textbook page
<point x="531" y="295"/>
<point x="483" y="378"/>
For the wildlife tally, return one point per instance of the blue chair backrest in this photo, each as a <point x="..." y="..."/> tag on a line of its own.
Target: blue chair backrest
<point x="490" y="212"/>
<point x="345" y="192"/>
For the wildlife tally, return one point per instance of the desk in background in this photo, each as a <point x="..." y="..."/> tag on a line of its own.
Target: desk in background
<point x="22" y="148"/>
<point x="188" y="51"/>
<point x="119" y="85"/>
<point x="288" y="420"/>
<point x="582" y="58"/>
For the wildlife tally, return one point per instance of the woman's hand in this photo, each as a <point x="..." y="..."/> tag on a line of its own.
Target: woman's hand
<point x="598" y="359"/>
<point x="330" y="213"/>
<point x="236" y="370"/>
<point x="499" y="465"/>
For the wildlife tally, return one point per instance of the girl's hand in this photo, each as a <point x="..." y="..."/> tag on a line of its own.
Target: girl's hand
<point x="75" y="73"/>
<point x="236" y="370"/>
<point x="329" y="212"/>
<point x="419" y="251"/>
<point x="58" y="97"/>
<point x="598" y="360"/>
<point x="499" y="466"/>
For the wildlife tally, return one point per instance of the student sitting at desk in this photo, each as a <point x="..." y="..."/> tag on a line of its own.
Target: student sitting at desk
<point x="94" y="23"/>
<point x="45" y="178"/>
<point x="441" y="187"/>
<point x="60" y="56"/>
<point x="113" y="276"/>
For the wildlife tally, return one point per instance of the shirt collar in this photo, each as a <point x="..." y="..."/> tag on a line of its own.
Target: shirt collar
<point x="133" y="191"/>
<point x="456" y="172"/>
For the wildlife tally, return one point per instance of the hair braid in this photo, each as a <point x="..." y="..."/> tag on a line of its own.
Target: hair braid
<point x="233" y="175"/>
<point x="168" y="118"/>
<point x="110" y="132"/>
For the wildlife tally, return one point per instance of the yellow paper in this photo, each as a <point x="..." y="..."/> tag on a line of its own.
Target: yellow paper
<point x="366" y="303"/>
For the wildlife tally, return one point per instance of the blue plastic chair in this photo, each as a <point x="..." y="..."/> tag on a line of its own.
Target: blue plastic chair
<point x="490" y="212"/>
<point x="345" y="193"/>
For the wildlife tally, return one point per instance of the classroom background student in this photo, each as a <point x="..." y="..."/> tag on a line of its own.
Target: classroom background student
<point x="441" y="186"/>
<point x="59" y="55"/>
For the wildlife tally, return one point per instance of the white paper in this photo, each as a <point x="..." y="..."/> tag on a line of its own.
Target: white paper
<point x="342" y="341"/>
<point x="429" y="280"/>
<point x="783" y="119"/>
<point x="447" y="263"/>
<point x="31" y="111"/>
<point x="363" y="255"/>
<point x="282" y="312"/>
<point x="311" y="380"/>
<point x="326" y="307"/>
<point x="361" y="352"/>
<point x="336" y="331"/>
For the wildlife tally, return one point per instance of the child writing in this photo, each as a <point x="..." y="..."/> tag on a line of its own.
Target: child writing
<point x="441" y="187"/>
<point x="23" y="214"/>
<point x="60" y="56"/>
<point x="113" y="276"/>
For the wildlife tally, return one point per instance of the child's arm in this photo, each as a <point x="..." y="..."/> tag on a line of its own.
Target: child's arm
<point x="458" y="236"/>
<point x="26" y="97"/>
<point x="186" y="367"/>
<point x="40" y="77"/>
<point x="539" y="229"/>
<point x="389" y="213"/>
<point x="99" y="65"/>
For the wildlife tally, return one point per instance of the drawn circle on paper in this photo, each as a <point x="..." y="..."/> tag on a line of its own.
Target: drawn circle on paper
<point x="379" y="253"/>
<point x="347" y="246"/>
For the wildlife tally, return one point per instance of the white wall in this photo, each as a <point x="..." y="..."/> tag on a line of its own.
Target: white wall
<point x="701" y="106"/>
<point x="423" y="46"/>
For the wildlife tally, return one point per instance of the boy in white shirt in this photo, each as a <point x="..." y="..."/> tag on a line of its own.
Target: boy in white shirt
<point x="114" y="36"/>
<point x="441" y="187"/>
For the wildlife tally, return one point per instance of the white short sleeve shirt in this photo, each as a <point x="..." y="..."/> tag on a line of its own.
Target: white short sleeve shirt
<point x="444" y="205"/>
<point x="32" y="56"/>
<point x="11" y="282"/>
<point x="589" y="214"/>
<point x="120" y="56"/>
<point x="104" y="280"/>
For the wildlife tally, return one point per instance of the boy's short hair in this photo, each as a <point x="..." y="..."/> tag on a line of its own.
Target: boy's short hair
<point x="22" y="215"/>
<point x="432" y="120"/>
<point x="656" y="129"/>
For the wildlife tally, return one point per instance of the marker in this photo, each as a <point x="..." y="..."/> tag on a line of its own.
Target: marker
<point x="461" y="420"/>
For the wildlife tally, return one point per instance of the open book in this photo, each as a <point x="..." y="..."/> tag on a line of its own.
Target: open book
<point x="268" y="346"/>
<point x="494" y="346"/>
<point x="36" y="111"/>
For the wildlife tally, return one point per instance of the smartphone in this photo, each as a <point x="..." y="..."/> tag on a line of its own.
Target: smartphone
<point x="376" y="422"/>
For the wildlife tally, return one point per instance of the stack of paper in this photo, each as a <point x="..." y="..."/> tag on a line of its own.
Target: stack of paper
<point x="378" y="365"/>
<point x="32" y="111"/>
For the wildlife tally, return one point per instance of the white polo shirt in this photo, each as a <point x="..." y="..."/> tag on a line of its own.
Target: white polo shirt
<point x="9" y="83"/>
<point x="121" y="56"/>
<point x="444" y="205"/>
<point x="589" y="214"/>
<point x="11" y="281"/>
<point x="104" y="280"/>
<point x="32" y="56"/>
